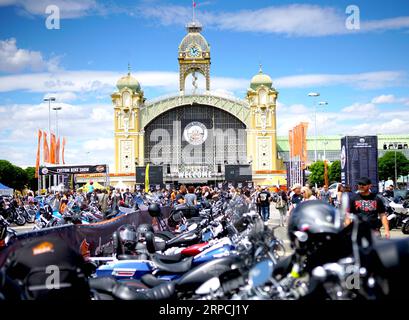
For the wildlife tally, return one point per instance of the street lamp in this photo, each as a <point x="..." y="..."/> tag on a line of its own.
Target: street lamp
<point x="315" y="95"/>
<point x="49" y="99"/>
<point x="56" y="119"/>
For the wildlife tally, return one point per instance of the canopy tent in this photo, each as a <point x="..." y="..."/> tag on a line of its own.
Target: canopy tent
<point x="121" y="186"/>
<point x="95" y="184"/>
<point x="5" y="191"/>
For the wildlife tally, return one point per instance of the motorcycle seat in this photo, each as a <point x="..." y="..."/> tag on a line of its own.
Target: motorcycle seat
<point x="176" y="267"/>
<point x="169" y="258"/>
<point x="151" y="281"/>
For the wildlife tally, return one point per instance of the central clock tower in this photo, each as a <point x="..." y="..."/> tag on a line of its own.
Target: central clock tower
<point x="193" y="56"/>
<point x="127" y="102"/>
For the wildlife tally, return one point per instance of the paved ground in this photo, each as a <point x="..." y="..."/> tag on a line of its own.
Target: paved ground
<point x="281" y="232"/>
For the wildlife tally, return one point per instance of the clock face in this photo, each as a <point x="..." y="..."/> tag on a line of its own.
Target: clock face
<point x="194" y="51"/>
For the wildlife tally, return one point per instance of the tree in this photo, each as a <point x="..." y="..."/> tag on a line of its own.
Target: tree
<point x="386" y="165"/>
<point x="317" y="173"/>
<point x="32" y="180"/>
<point x="334" y="171"/>
<point x="12" y="176"/>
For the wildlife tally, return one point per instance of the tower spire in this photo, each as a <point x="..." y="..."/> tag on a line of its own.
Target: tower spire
<point x="129" y="69"/>
<point x="261" y="68"/>
<point x="193" y="10"/>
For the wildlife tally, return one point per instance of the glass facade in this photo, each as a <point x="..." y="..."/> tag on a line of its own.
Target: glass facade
<point x="220" y="139"/>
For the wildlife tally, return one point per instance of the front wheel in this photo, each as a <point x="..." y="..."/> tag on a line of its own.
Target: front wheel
<point x="405" y="228"/>
<point x="20" y="220"/>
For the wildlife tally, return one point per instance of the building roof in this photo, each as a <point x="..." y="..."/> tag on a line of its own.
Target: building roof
<point x="128" y="82"/>
<point x="261" y="79"/>
<point x="334" y="142"/>
<point x="194" y="37"/>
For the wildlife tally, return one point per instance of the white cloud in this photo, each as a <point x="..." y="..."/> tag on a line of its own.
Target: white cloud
<point x="68" y="8"/>
<point x="368" y="80"/>
<point x="103" y="82"/>
<point x="359" y="108"/>
<point x="303" y="20"/>
<point x="13" y="59"/>
<point x="386" y="24"/>
<point x="384" y="99"/>
<point x="62" y="96"/>
<point x="390" y="99"/>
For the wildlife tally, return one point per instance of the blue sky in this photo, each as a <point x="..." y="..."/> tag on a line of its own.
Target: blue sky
<point x="304" y="46"/>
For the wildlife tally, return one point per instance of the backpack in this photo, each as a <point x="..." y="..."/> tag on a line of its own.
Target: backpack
<point x="280" y="203"/>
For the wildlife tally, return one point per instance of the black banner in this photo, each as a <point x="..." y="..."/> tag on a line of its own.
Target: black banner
<point x="83" y="169"/>
<point x="95" y="238"/>
<point x="238" y="173"/>
<point x="359" y="158"/>
<point x="155" y="175"/>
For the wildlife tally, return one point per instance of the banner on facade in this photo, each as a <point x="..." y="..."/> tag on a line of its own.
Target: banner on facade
<point x="359" y="158"/>
<point x="82" y="169"/>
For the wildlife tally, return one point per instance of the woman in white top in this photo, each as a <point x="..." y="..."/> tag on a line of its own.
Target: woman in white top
<point x="307" y="194"/>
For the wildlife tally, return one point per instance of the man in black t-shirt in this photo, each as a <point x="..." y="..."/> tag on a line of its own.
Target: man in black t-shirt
<point x="369" y="207"/>
<point x="264" y="199"/>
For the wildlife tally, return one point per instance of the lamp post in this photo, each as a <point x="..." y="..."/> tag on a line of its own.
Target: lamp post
<point x="56" y="119"/>
<point x="49" y="99"/>
<point x="315" y="95"/>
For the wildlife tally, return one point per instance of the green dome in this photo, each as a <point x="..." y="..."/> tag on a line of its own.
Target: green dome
<point x="128" y="82"/>
<point x="261" y="79"/>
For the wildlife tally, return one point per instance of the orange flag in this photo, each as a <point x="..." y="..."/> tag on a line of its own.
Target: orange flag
<point x="57" y="151"/>
<point x="52" y="148"/>
<point x="290" y="142"/>
<point x="63" y="149"/>
<point x="38" y="153"/>
<point x="46" y="153"/>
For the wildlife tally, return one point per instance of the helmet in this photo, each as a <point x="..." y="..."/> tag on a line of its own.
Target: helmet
<point x="29" y="266"/>
<point x="154" y="210"/>
<point x="314" y="230"/>
<point x="127" y="237"/>
<point x="142" y="229"/>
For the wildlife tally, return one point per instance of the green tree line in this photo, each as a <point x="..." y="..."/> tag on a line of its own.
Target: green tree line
<point x="386" y="169"/>
<point x="17" y="178"/>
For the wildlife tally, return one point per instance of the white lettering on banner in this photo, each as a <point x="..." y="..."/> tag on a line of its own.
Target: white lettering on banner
<point x="195" y="174"/>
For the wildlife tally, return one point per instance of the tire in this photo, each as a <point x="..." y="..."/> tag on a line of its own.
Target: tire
<point x="405" y="228"/>
<point x="392" y="224"/>
<point x="20" y="220"/>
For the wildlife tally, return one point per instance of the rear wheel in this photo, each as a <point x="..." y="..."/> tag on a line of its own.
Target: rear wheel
<point x="405" y="228"/>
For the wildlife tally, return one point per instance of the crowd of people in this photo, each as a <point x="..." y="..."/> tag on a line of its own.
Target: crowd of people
<point x="363" y="202"/>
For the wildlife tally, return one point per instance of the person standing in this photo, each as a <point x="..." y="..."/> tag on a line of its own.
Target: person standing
<point x="307" y="194"/>
<point x="325" y="195"/>
<point x="369" y="207"/>
<point x="281" y="201"/>
<point x="296" y="197"/>
<point x="264" y="199"/>
<point x="190" y="197"/>
<point x="255" y="197"/>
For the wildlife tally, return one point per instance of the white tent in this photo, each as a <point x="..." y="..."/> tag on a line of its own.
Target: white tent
<point x="121" y="186"/>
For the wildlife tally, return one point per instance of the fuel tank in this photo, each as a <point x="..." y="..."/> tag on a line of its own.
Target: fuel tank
<point x="205" y="271"/>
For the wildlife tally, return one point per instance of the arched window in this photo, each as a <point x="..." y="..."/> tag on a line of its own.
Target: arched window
<point x="263" y="98"/>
